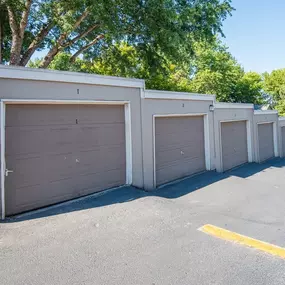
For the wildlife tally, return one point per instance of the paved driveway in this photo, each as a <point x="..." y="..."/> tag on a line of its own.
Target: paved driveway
<point x="131" y="237"/>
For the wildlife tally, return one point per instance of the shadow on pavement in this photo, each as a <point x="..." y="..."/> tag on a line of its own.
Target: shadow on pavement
<point x="127" y="194"/>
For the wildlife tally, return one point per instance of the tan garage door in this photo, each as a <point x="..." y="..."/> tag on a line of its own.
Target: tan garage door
<point x="59" y="152"/>
<point x="179" y="147"/>
<point x="234" y="144"/>
<point x="266" y="142"/>
<point x="283" y="140"/>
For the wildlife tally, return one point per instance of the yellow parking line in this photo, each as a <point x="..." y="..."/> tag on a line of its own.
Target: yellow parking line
<point x="235" y="237"/>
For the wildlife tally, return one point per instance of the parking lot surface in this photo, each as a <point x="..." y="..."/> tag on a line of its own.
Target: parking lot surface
<point x="128" y="236"/>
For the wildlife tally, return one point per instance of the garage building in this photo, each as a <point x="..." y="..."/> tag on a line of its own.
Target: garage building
<point x="233" y="135"/>
<point x="265" y="135"/>
<point x="65" y="135"/>
<point x="177" y="132"/>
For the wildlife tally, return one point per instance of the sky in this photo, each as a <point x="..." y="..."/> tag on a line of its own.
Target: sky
<point x="255" y="34"/>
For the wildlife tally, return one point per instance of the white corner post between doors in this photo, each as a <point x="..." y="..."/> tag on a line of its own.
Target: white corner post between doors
<point x="128" y="134"/>
<point x="249" y="141"/>
<point x="207" y="142"/>
<point x="3" y="167"/>
<point x="275" y="139"/>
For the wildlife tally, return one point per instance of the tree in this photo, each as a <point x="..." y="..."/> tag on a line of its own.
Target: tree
<point x="124" y="60"/>
<point x="249" y="89"/>
<point x="216" y="71"/>
<point x="274" y="85"/>
<point x="5" y="34"/>
<point x="155" y="28"/>
<point x="212" y="70"/>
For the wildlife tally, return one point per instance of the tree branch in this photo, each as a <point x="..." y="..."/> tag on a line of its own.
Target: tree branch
<point x="63" y="36"/>
<point x="24" y="19"/>
<point x="80" y="36"/>
<point x="97" y="39"/>
<point x="59" y="45"/>
<point x="13" y="21"/>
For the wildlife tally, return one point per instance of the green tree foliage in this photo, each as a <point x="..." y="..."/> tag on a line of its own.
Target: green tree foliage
<point x="212" y="70"/>
<point x="274" y="85"/>
<point x="216" y="71"/>
<point x="249" y="89"/>
<point x="155" y="28"/>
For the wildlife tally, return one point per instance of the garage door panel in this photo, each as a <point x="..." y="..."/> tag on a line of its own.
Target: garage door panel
<point x="180" y="153"/>
<point x="174" y="141"/>
<point x="101" y="114"/>
<point x="21" y="199"/>
<point x="266" y="141"/>
<point x="234" y="144"/>
<point x="230" y="163"/>
<point x="98" y="135"/>
<point x="31" y="140"/>
<point x="61" y="139"/>
<point x="27" y="175"/>
<point x="239" y="151"/>
<point x="93" y="182"/>
<point x="179" y="169"/>
<point x="42" y="116"/>
<point x="37" y="196"/>
<point x="59" y="166"/>
<point x="179" y="147"/>
<point x="113" y="159"/>
<point x="191" y="163"/>
<point x="25" y="136"/>
<point x="55" y="160"/>
<point x="168" y="125"/>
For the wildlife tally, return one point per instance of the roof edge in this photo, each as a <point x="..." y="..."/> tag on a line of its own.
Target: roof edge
<point x="265" y="112"/>
<point x="222" y="105"/>
<point x="25" y="73"/>
<point x="172" y="95"/>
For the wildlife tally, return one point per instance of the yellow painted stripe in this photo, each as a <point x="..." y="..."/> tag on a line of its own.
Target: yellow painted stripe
<point x="244" y="240"/>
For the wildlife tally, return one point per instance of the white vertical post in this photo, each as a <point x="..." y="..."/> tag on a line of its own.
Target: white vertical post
<point x="207" y="142"/>
<point x="128" y="137"/>
<point x="249" y="141"/>
<point x="275" y="139"/>
<point x="3" y="167"/>
<point x="153" y="151"/>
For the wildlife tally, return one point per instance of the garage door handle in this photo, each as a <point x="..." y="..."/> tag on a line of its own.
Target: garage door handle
<point x="7" y="171"/>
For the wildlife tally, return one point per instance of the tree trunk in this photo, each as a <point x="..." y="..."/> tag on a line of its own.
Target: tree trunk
<point x="35" y="44"/>
<point x="15" y="54"/>
<point x="16" y="40"/>
<point x="18" y="31"/>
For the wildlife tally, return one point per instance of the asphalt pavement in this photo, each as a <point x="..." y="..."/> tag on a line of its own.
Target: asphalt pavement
<point x="131" y="237"/>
